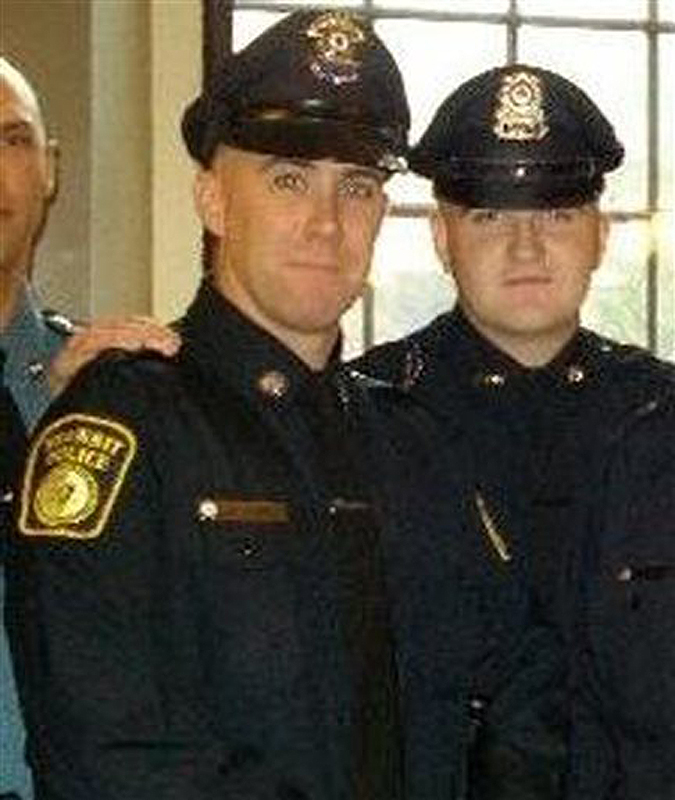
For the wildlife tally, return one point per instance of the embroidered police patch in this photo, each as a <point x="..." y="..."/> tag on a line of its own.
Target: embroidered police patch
<point x="76" y="468"/>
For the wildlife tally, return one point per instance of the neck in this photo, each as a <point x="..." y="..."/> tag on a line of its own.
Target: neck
<point x="530" y="349"/>
<point x="314" y="350"/>
<point x="12" y="283"/>
<point x="313" y="347"/>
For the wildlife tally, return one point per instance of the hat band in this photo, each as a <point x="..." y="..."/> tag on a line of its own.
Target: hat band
<point x="540" y="191"/>
<point x="319" y="137"/>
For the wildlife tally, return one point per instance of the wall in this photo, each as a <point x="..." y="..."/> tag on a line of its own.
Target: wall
<point x="114" y="76"/>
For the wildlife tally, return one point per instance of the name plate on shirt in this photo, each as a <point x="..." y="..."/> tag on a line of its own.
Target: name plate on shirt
<point x="226" y="509"/>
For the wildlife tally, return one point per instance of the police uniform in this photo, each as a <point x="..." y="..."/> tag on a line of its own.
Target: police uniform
<point x="14" y="777"/>
<point x="31" y="341"/>
<point x="520" y="137"/>
<point x="202" y="609"/>
<point x="28" y="345"/>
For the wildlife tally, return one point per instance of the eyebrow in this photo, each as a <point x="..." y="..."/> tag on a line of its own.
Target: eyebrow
<point x="275" y="161"/>
<point x="309" y="164"/>
<point x="366" y="172"/>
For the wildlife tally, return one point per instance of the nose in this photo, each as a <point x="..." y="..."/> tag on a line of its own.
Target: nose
<point x="525" y="237"/>
<point x="324" y="216"/>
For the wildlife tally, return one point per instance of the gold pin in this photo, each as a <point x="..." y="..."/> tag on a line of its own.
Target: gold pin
<point x="490" y="528"/>
<point x="273" y="383"/>
<point x="575" y="374"/>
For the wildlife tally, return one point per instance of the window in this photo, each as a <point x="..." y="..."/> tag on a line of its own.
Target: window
<point x="621" y="52"/>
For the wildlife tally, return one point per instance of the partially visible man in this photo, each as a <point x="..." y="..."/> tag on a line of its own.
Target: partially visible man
<point x="517" y="156"/>
<point x="37" y="358"/>
<point x="624" y="711"/>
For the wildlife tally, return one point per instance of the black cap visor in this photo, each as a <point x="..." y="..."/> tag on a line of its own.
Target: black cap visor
<point x="312" y="138"/>
<point x="520" y="186"/>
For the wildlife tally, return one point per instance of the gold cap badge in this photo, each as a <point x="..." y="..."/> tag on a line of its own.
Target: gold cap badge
<point x="520" y="113"/>
<point x="75" y="470"/>
<point x="337" y="39"/>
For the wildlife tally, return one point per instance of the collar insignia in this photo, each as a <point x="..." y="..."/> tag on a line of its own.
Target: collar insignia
<point x="520" y="114"/>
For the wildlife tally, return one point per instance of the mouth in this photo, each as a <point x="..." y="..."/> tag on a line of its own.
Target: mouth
<point x="528" y="280"/>
<point x="314" y="266"/>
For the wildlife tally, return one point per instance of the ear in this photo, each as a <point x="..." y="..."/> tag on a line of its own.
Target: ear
<point x="208" y="192"/>
<point x="604" y="225"/>
<point x="439" y="232"/>
<point x="53" y="161"/>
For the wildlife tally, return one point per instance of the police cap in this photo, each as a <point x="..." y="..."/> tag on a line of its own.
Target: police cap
<point x="518" y="137"/>
<point x="317" y="84"/>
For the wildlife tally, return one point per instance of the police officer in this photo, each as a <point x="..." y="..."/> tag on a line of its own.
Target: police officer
<point x="202" y="609"/>
<point x="517" y="156"/>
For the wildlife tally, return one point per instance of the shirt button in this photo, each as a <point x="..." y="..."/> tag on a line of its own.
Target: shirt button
<point x="250" y="548"/>
<point x="207" y="509"/>
<point x="273" y="384"/>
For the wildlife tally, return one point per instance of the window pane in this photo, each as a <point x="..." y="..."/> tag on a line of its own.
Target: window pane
<point x="617" y="304"/>
<point x="352" y="332"/>
<point x="666" y="121"/>
<point x="301" y="3"/>
<point x="664" y="226"/>
<point x="611" y="68"/>
<point x="451" y="6"/>
<point x="435" y="57"/>
<point x="667" y="10"/>
<point x="600" y="9"/>
<point x="410" y="287"/>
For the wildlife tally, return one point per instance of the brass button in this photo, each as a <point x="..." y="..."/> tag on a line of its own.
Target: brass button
<point x="273" y="383"/>
<point x="625" y="575"/>
<point x="493" y="380"/>
<point x="36" y="369"/>
<point x="575" y="374"/>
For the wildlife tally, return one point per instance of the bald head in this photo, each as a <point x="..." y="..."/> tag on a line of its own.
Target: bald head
<point x="25" y="95"/>
<point x="27" y="183"/>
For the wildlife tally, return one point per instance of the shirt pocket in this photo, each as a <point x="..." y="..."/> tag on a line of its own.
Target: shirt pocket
<point x="246" y="532"/>
<point x="633" y="631"/>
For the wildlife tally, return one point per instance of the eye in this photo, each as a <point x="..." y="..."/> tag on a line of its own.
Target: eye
<point x="290" y="181"/>
<point x="486" y="216"/>
<point x="360" y="187"/>
<point x="18" y="138"/>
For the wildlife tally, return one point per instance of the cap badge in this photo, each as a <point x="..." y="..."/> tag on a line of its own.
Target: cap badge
<point x="337" y="39"/>
<point x="520" y="114"/>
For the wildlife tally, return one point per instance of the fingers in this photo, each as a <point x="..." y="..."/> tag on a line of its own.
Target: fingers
<point x="127" y="333"/>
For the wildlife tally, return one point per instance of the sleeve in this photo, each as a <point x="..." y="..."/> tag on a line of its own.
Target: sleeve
<point x="85" y="613"/>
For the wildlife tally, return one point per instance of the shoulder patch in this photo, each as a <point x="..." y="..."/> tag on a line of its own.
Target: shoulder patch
<point x="76" y="467"/>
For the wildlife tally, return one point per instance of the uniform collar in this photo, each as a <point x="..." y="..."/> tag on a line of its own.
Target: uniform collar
<point x="29" y="345"/>
<point x="452" y="351"/>
<point x="236" y="351"/>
